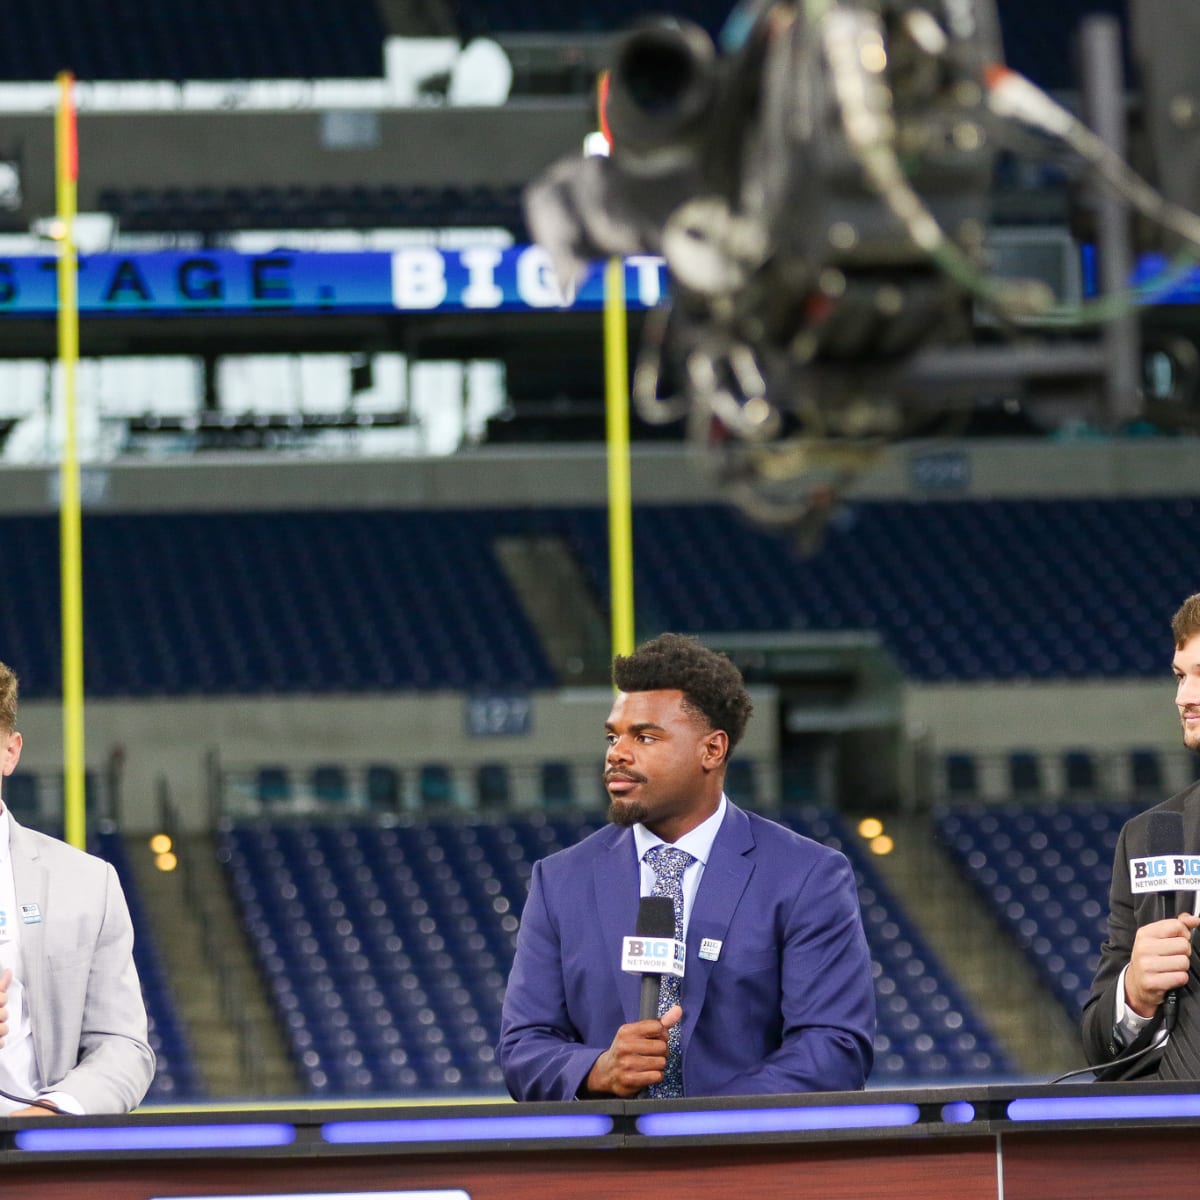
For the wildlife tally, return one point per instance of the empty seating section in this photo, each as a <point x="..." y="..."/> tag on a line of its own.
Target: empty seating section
<point x="1146" y="773"/>
<point x="274" y="39"/>
<point x="530" y="16"/>
<point x="260" y="603"/>
<point x="386" y="949"/>
<point x="1045" y="870"/>
<point x="926" y="1030"/>
<point x="358" y="600"/>
<point x="275" y="206"/>
<point x="176" y="1077"/>
<point x="197" y="39"/>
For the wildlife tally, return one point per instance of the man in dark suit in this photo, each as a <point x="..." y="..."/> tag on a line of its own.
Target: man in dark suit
<point x="777" y="994"/>
<point x="1145" y="957"/>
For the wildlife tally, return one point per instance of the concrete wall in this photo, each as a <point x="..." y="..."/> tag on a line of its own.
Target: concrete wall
<point x="172" y="739"/>
<point x="576" y="475"/>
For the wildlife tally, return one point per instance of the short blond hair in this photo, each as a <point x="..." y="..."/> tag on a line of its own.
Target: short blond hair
<point x="8" y="699"/>
<point x="1185" y="624"/>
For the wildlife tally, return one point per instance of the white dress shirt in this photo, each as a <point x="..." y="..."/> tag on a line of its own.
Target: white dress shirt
<point x="698" y="843"/>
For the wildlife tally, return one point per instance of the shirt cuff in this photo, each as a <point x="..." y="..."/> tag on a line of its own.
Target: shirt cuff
<point x="66" y="1103"/>
<point x="1126" y="1023"/>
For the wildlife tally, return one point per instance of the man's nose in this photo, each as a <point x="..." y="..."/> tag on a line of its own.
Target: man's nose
<point x="618" y="750"/>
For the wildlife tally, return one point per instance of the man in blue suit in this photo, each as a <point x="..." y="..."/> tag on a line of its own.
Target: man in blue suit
<point x="777" y="994"/>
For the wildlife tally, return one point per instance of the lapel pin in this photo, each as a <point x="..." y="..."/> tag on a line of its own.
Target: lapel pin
<point x="710" y="949"/>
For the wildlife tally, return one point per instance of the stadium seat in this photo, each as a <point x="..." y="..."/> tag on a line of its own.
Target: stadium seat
<point x="1146" y="773"/>
<point x="1024" y="774"/>
<point x="384" y="785"/>
<point x="962" y="776"/>
<point x="273" y="786"/>
<point x="435" y="786"/>
<point x="741" y="781"/>
<point x="1079" y="774"/>
<point x="558" y="789"/>
<point x="493" y="787"/>
<point x="21" y="797"/>
<point x="330" y="786"/>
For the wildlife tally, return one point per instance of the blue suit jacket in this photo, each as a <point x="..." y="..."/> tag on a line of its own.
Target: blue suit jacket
<point x="789" y="1005"/>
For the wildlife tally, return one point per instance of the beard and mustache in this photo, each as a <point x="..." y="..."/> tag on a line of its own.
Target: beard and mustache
<point x="626" y="812"/>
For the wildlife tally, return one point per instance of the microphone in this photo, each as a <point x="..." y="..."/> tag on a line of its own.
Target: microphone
<point x="1164" y="870"/>
<point x="653" y="952"/>
<point x="1165" y="839"/>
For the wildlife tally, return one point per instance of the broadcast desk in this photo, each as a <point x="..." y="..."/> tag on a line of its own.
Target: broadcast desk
<point x="1060" y="1142"/>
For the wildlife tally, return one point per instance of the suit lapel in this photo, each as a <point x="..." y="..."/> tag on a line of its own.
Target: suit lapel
<point x="725" y="877"/>
<point x="616" y="883"/>
<point x="30" y="885"/>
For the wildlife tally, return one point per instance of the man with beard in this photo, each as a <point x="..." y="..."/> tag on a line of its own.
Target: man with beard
<point x="777" y="994"/>
<point x="1145" y="957"/>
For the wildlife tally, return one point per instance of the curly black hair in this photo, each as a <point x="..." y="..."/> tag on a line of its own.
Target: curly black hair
<point x="711" y="685"/>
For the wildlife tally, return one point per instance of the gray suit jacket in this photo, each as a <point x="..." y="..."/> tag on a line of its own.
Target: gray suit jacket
<point x="85" y="1000"/>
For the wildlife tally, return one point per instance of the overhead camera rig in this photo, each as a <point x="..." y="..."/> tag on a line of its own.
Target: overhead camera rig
<point x="819" y="191"/>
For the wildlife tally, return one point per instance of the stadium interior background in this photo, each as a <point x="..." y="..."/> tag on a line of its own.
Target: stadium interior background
<point x="347" y="587"/>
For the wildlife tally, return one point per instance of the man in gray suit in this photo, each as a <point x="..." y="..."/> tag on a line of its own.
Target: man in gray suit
<point x="72" y="1019"/>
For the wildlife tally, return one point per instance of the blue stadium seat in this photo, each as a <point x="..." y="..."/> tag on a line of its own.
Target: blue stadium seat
<point x="1079" y="774"/>
<point x="20" y="792"/>
<point x="384" y="787"/>
<point x="1024" y="774"/>
<point x="962" y="776"/>
<point x="741" y="781"/>
<point x="330" y="785"/>
<point x="435" y="786"/>
<point x="273" y="786"/>
<point x="557" y="785"/>
<point x="1146" y="773"/>
<point x="493" y="787"/>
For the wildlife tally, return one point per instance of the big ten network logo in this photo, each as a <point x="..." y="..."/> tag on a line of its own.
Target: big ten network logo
<point x="484" y="277"/>
<point x="1165" y="873"/>
<point x="653" y="956"/>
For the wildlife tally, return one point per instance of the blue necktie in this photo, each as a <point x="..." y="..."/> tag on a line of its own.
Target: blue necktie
<point x="668" y="865"/>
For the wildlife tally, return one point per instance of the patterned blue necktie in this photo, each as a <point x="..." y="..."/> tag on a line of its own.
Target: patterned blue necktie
<point x="668" y="865"/>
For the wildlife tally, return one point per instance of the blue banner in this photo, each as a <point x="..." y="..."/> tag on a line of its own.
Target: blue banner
<point x="227" y="282"/>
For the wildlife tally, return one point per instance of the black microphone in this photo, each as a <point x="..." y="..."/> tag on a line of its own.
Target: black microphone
<point x="1164" y="838"/>
<point x="656" y="919"/>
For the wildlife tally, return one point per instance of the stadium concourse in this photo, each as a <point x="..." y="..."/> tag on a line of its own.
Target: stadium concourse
<point x="347" y="588"/>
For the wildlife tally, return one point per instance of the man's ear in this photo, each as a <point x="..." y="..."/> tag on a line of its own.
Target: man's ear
<point x="10" y="753"/>
<point x="715" y="750"/>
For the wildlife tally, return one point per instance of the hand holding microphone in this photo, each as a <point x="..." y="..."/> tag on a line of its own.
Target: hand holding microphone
<point x="1160" y="958"/>
<point x="1159" y="962"/>
<point x="636" y="1059"/>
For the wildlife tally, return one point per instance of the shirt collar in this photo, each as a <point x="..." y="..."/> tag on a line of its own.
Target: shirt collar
<point x="697" y="842"/>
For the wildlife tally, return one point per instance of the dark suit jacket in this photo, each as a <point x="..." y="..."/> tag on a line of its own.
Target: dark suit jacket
<point x="789" y="1006"/>
<point x="1125" y="915"/>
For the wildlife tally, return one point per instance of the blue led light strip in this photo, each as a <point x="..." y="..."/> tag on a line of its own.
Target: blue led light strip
<point x="1093" y="1108"/>
<point x="776" y="1120"/>
<point x="466" y="1129"/>
<point x="156" y="1137"/>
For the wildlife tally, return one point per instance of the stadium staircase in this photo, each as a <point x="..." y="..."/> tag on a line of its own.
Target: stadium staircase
<point x="1039" y="1036"/>
<point x="236" y="1043"/>
<point x="560" y="605"/>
